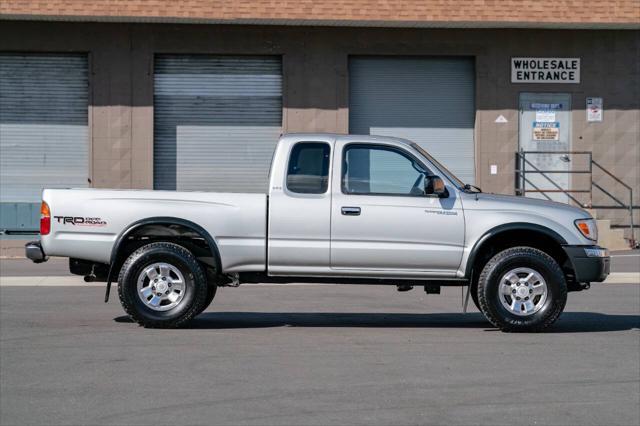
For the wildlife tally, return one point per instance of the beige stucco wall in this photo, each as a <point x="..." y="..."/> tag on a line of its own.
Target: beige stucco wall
<point x="315" y="67"/>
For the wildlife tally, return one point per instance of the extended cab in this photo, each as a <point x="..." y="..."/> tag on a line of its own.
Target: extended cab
<point x="339" y="209"/>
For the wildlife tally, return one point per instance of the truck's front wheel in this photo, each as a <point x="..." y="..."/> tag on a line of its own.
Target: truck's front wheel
<point x="522" y="289"/>
<point x="162" y="285"/>
<point x="211" y="293"/>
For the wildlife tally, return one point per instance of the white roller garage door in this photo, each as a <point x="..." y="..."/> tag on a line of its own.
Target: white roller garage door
<point x="216" y="121"/>
<point x="43" y="132"/>
<point x="427" y="100"/>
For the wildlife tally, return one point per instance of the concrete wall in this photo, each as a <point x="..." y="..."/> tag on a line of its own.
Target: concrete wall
<point x="315" y="63"/>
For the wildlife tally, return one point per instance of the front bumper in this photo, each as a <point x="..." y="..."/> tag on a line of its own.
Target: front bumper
<point x="33" y="251"/>
<point x="590" y="263"/>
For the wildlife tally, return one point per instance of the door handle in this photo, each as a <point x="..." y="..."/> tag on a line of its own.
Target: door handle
<point x="351" y="211"/>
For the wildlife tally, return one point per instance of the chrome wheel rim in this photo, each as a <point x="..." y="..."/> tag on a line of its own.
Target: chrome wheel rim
<point x="161" y="286"/>
<point x="522" y="291"/>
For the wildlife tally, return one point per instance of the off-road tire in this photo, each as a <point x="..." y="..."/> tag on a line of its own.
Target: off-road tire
<point x="211" y="293"/>
<point x="527" y="257"/>
<point x="474" y="295"/>
<point x="193" y="301"/>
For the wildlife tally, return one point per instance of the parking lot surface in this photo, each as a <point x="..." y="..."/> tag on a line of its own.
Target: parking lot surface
<point x="316" y="355"/>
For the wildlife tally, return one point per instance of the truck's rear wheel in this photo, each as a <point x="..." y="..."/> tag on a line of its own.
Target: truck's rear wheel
<point x="162" y="285"/>
<point x="522" y="289"/>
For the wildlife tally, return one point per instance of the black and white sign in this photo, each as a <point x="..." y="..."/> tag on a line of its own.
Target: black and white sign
<point x="545" y="70"/>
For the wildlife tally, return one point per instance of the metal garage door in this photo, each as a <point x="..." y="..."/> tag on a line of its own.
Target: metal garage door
<point x="216" y="121"/>
<point x="43" y="132"/>
<point x="427" y="100"/>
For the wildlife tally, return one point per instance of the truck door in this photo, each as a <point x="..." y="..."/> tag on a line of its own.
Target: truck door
<point x="381" y="219"/>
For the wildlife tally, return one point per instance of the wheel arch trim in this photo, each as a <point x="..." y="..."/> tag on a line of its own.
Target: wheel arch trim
<point x="507" y="227"/>
<point x="158" y="221"/>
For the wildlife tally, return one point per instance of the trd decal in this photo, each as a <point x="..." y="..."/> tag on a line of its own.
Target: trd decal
<point x="80" y="221"/>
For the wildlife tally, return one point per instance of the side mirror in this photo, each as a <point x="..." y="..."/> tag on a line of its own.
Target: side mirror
<point x="434" y="187"/>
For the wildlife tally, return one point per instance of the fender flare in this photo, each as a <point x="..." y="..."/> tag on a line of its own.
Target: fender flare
<point x="158" y="220"/>
<point x="515" y="226"/>
<point x="171" y="221"/>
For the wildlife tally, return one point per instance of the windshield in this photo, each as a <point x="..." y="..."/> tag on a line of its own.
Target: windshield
<point x="453" y="178"/>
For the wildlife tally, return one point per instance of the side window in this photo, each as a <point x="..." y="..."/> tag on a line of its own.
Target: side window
<point x="381" y="170"/>
<point x="308" y="171"/>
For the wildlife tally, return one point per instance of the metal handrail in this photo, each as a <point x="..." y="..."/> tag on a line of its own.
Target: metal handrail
<point x="522" y="181"/>
<point x="612" y="175"/>
<point x="629" y="188"/>
<point x="537" y="189"/>
<point x="561" y="189"/>
<point x="613" y="197"/>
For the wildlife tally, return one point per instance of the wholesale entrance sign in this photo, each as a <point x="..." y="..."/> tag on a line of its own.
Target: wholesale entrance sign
<point x="545" y="70"/>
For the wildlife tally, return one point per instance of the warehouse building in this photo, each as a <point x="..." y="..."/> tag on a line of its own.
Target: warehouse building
<point x="193" y="95"/>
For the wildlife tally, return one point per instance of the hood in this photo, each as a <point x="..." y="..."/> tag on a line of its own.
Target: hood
<point x="552" y="209"/>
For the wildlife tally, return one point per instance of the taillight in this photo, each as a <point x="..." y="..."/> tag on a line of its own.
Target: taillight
<point x="45" y="219"/>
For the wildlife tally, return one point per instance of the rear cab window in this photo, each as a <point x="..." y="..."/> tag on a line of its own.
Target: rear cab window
<point x="308" y="169"/>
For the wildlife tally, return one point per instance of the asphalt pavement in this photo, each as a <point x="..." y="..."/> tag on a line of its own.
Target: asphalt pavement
<point x="622" y="261"/>
<point x="315" y="355"/>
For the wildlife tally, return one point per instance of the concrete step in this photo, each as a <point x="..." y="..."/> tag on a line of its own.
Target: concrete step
<point x="619" y="219"/>
<point x="613" y="239"/>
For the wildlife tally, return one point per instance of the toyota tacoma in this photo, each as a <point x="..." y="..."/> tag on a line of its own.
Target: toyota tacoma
<point x="339" y="209"/>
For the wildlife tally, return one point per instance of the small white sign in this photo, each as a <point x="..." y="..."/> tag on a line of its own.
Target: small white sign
<point x="494" y="169"/>
<point x="594" y="109"/>
<point x="501" y="119"/>
<point x="545" y="116"/>
<point x="545" y="70"/>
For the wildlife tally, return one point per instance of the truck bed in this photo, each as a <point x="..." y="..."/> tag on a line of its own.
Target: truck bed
<point x="97" y="217"/>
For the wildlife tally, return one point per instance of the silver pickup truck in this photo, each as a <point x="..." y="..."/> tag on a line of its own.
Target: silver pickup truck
<point x="339" y="209"/>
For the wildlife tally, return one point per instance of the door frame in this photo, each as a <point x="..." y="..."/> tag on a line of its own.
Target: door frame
<point x="569" y="110"/>
<point x="431" y="205"/>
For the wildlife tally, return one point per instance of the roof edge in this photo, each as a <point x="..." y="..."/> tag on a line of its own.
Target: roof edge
<point x="332" y="23"/>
